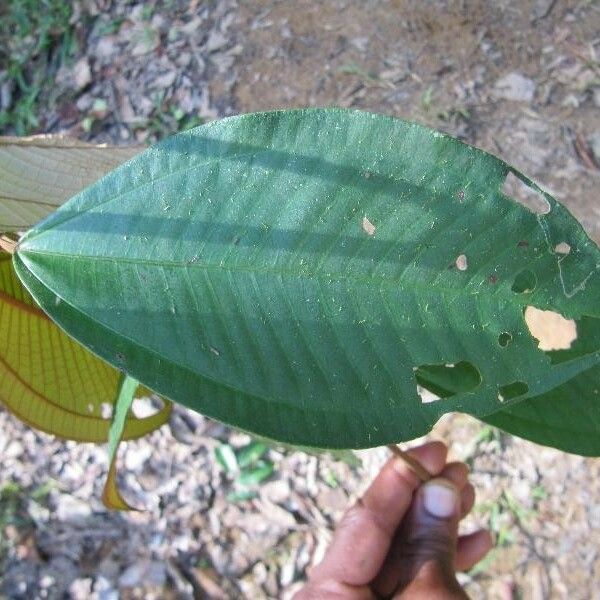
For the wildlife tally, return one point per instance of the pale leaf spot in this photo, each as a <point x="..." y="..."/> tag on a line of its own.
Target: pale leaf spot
<point x="461" y="262"/>
<point x="367" y="226"/>
<point x="550" y="328"/>
<point x="562" y="248"/>
<point x="106" y="410"/>
<point x="215" y="351"/>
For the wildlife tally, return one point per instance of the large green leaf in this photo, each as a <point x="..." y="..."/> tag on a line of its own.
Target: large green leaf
<point x="293" y="272"/>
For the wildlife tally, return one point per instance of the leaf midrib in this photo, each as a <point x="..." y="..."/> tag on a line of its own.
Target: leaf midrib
<point x="29" y="201"/>
<point x="429" y="286"/>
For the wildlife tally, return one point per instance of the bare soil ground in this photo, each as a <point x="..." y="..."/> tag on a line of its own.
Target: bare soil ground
<point x="519" y="79"/>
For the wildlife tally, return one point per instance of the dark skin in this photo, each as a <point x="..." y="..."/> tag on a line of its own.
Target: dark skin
<point x="400" y="540"/>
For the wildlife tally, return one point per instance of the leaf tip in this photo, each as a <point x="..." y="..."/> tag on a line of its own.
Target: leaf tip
<point x="111" y="495"/>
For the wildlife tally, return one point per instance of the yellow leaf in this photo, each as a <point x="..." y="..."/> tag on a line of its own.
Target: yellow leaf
<point x="51" y="382"/>
<point x="39" y="173"/>
<point x="46" y="379"/>
<point x="111" y="496"/>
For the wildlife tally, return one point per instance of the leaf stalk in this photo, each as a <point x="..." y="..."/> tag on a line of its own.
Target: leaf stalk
<point x="411" y="462"/>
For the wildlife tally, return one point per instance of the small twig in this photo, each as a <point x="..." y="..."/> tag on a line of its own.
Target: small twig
<point x="584" y="153"/>
<point x="7" y="244"/>
<point x="414" y="465"/>
<point x="545" y="11"/>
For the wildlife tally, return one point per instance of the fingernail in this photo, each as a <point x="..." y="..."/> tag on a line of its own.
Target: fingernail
<point x="440" y="501"/>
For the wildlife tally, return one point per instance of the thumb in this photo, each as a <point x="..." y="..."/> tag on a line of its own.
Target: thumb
<point x="430" y="537"/>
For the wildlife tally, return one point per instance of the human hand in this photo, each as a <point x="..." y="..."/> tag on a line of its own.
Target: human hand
<point x="400" y="540"/>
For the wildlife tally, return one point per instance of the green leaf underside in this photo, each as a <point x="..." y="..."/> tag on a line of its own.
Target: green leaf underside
<point x="567" y="417"/>
<point x="230" y="269"/>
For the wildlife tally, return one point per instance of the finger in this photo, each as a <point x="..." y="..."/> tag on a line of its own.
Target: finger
<point x="457" y="473"/>
<point x="467" y="500"/>
<point x="428" y="536"/>
<point x="333" y="590"/>
<point x="363" y="537"/>
<point x="396" y="481"/>
<point x="471" y="548"/>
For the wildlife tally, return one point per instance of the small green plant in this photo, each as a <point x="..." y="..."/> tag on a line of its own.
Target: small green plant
<point x="15" y="510"/>
<point x="37" y="37"/>
<point x="108" y="26"/>
<point x="248" y="466"/>
<point x="367" y="78"/>
<point x="167" y="119"/>
<point x="504" y="515"/>
<point x="456" y="112"/>
<point x="308" y="275"/>
<point x="427" y="97"/>
<point x="10" y="498"/>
